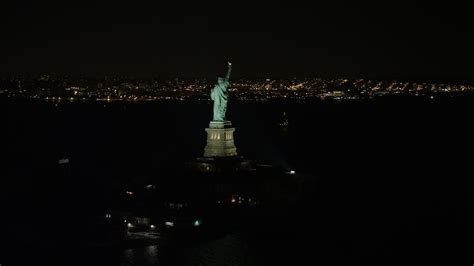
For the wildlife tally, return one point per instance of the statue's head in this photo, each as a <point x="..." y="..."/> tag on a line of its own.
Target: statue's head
<point x="220" y="81"/>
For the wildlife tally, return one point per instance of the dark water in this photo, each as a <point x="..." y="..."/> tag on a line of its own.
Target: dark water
<point x="393" y="178"/>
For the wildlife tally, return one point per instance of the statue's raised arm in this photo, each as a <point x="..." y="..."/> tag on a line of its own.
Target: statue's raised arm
<point x="229" y="68"/>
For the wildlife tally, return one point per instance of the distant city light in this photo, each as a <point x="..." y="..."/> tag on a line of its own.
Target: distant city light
<point x="292" y="172"/>
<point x="63" y="161"/>
<point x="129" y="225"/>
<point x="197" y="222"/>
<point x="258" y="90"/>
<point x="169" y="224"/>
<point x="152" y="226"/>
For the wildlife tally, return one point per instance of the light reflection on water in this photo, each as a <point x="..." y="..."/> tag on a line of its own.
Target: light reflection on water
<point x="228" y="250"/>
<point x="140" y="256"/>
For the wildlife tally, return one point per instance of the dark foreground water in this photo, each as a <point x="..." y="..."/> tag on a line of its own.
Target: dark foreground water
<point x="394" y="179"/>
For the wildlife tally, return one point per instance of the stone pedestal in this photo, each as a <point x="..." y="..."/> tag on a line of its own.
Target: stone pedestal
<point x="220" y="140"/>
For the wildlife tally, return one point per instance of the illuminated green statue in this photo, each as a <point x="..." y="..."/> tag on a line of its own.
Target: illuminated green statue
<point x="219" y="95"/>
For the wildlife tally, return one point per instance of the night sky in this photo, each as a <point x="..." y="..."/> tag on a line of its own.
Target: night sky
<point x="415" y="40"/>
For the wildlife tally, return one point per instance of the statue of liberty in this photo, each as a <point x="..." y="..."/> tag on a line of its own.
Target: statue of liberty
<point x="219" y="95"/>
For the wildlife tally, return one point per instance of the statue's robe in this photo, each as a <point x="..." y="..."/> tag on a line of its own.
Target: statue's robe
<point x="219" y="96"/>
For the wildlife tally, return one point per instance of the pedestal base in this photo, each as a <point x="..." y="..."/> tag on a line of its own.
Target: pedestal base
<point x="220" y="140"/>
